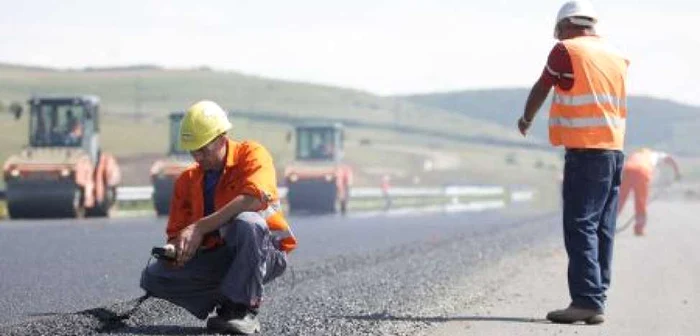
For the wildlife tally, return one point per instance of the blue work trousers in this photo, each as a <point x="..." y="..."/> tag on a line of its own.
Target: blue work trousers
<point x="236" y="271"/>
<point x="590" y="193"/>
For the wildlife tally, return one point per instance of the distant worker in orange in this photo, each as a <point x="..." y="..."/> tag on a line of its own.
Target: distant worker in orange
<point x="385" y="186"/>
<point x="637" y="174"/>
<point x="226" y="226"/>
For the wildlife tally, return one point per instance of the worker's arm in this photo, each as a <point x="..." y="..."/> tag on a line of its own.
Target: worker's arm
<point x="180" y="207"/>
<point x="671" y="162"/>
<point x="190" y="238"/>
<point x="240" y="203"/>
<point x="538" y="94"/>
<point x="557" y="72"/>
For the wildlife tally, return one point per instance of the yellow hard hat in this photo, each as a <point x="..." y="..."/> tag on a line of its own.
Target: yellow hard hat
<point x="203" y="121"/>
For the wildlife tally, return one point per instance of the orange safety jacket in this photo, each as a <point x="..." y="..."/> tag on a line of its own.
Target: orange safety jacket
<point x="592" y="114"/>
<point x="249" y="170"/>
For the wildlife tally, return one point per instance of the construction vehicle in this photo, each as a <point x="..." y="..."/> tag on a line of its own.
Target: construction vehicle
<point x="318" y="181"/>
<point x="165" y="171"/>
<point x="62" y="172"/>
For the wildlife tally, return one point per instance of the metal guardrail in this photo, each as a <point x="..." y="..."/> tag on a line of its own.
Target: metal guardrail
<point x="134" y="193"/>
<point x="451" y="197"/>
<point x="522" y="195"/>
<point x="143" y="193"/>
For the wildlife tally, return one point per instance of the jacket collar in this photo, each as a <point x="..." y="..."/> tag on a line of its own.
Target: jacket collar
<point x="231" y="153"/>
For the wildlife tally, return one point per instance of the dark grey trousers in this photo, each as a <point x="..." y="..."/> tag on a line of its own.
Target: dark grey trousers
<point x="236" y="271"/>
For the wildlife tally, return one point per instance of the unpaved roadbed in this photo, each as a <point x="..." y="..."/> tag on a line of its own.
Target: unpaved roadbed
<point x="655" y="289"/>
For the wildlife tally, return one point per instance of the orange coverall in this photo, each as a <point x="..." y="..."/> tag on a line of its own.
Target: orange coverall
<point x="636" y="177"/>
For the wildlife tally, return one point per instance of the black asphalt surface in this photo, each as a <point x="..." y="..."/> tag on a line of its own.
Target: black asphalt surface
<point x="359" y="275"/>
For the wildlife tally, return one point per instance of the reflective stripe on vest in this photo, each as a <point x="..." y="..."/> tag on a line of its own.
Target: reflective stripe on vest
<point x="587" y="122"/>
<point x="590" y="99"/>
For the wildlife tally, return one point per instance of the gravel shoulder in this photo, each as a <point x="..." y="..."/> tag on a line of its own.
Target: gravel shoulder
<point x="655" y="289"/>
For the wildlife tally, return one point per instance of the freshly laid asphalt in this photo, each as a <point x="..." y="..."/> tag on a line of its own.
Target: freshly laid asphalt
<point x="350" y="275"/>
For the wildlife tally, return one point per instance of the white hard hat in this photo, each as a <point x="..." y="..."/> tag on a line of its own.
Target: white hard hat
<point x="579" y="12"/>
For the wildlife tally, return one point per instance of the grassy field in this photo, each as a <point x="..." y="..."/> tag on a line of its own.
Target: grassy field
<point x="157" y="92"/>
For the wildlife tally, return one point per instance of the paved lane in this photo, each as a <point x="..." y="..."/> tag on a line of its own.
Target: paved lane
<point x="60" y="266"/>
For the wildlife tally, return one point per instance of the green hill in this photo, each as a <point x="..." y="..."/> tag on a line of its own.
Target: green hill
<point x="152" y="91"/>
<point x="658" y="123"/>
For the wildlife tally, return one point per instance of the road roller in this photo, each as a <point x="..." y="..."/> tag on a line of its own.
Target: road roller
<point x="62" y="172"/>
<point x="318" y="180"/>
<point x="165" y="171"/>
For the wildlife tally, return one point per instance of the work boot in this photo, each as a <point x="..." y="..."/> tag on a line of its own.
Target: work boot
<point x="233" y="318"/>
<point x="573" y="314"/>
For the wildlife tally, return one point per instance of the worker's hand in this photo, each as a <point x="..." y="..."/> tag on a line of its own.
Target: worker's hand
<point x="188" y="241"/>
<point x="524" y="125"/>
<point x="678" y="177"/>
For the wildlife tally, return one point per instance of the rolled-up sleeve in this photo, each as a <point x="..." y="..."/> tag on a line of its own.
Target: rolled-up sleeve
<point x="180" y="207"/>
<point x="259" y="177"/>
<point x="558" y="71"/>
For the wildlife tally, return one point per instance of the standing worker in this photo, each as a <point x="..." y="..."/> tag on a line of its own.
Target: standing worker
<point x="587" y="117"/>
<point x="636" y="176"/>
<point x="226" y="226"/>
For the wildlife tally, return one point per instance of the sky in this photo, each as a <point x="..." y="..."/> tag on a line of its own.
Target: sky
<point x="381" y="46"/>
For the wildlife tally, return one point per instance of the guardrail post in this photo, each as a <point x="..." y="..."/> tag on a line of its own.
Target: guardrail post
<point x="507" y="195"/>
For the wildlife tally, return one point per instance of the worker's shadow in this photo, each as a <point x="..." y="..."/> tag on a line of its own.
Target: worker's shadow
<point x="115" y="327"/>
<point x="439" y="319"/>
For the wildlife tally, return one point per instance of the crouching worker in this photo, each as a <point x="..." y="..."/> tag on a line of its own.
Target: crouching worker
<point x="225" y="222"/>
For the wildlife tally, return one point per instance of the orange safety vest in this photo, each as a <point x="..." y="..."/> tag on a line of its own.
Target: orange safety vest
<point x="593" y="112"/>
<point x="249" y="170"/>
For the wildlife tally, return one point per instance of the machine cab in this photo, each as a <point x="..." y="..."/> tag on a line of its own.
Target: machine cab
<point x="319" y="143"/>
<point x="175" y="120"/>
<point x="67" y="122"/>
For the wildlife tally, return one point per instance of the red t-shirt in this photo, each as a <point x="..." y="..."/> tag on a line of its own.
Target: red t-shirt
<point x="559" y="70"/>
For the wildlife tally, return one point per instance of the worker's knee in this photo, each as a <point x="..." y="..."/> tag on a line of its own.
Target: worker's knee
<point x="250" y="217"/>
<point x="245" y="225"/>
<point x="149" y="277"/>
